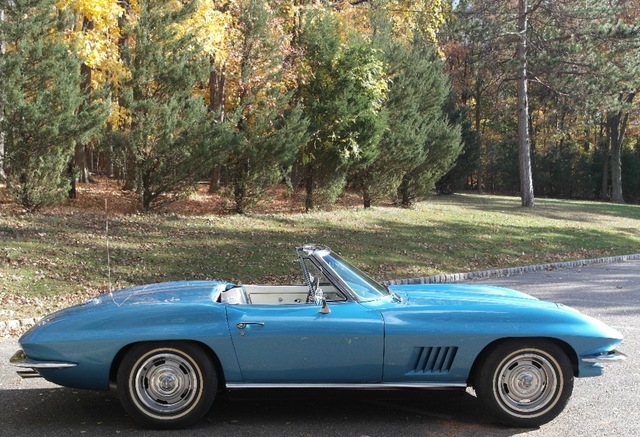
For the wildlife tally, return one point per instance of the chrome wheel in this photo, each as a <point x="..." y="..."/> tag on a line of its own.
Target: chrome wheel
<point x="166" y="383"/>
<point x="524" y="382"/>
<point x="527" y="383"/>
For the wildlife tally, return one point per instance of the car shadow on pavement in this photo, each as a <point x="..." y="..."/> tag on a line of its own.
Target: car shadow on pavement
<point x="61" y="411"/>
<point x="334" y="413"/>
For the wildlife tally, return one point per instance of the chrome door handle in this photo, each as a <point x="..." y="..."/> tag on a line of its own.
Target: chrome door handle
<point x="243" y="325"/>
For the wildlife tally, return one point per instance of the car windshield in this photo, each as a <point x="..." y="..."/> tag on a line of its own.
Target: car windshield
<point x="361" y="284"/>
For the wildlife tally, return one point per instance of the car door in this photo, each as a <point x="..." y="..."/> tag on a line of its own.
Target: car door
<point x="294" y="343"/>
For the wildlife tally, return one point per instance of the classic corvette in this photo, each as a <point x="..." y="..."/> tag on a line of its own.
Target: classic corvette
<point x="169" y="348"/>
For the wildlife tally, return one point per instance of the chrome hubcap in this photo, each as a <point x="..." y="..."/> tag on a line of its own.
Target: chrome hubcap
<point x="166" y="383"/>
<point x="527" y="383"/>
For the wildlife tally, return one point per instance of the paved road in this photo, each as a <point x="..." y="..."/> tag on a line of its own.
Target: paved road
<point x="604" y="406"/>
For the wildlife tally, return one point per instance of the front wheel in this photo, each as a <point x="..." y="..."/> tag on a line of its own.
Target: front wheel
<point x="525" y="383"/>
<point x="166" y="386"/>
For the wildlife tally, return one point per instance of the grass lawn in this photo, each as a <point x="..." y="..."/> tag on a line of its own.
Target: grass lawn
<point x="57" y="258"/>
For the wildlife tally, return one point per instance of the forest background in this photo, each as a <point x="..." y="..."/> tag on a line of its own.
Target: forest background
<point x="392" y="99"/>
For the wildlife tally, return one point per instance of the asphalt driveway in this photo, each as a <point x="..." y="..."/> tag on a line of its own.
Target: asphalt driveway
<point x="608" y="405"/>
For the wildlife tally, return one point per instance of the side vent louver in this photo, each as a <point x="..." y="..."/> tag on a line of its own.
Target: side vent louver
<point x="434" y="359"/>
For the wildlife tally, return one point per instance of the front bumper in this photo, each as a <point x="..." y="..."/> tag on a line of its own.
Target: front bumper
<point x="593" y="364"/>
<point x="28" y="368"/>
<point x="613" y="356"/>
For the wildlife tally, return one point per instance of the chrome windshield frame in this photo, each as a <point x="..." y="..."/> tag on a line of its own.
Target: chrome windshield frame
<point x="319" y="255"/>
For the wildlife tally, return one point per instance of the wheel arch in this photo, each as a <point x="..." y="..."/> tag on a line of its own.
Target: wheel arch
<point x="566" y="348"/>
<point x="117" y="360"/>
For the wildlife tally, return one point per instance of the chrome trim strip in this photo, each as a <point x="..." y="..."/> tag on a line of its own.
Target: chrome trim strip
<point x="19" y="359"/>
<point x="365" y="386"/>
<point x="606" y="357"/>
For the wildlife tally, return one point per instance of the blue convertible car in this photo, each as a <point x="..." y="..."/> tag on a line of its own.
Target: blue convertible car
<point x="169" y="348"/>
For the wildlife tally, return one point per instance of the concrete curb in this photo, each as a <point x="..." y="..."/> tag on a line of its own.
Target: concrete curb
<point x="9" y="326"/>
<point x="15" y="325"/>
<point x="457" y="277"/>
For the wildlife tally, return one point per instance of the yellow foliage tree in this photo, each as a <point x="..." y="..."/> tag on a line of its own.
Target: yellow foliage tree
<point x="413" y="16"/>
<point x="97" y="35"/>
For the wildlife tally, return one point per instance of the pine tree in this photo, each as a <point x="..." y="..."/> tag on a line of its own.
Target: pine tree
<point x="420" y="144"/>
<point x="264" y="129"/>
<point x="167" y="139"/>
<point x="417" y="91"/>
<point x="614" y="56"/>
<point x="440" y="152"/>
<point x="41" y="96"/>
<point x="343" y="101"/>
<point x="439" y="143"/>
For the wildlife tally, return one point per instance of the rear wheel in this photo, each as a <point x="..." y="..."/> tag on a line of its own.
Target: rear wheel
<point x="525" y="383"/>
<point x="166" y="386"/>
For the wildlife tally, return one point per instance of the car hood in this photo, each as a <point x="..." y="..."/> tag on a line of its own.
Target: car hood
<point x="450" y="294"/>
<point x="494" y="306"/>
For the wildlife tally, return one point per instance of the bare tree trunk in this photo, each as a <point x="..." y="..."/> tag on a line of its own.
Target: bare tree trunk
<point x="524" y="140"/>
<point x="217" y="80"/>
<point x="478" y="127"/>
<point x="2" y="147"/>
<point x="366" y="196"/>
<point x="131" y="180"/>
<point x="130" y="170"/>
<point x="616" y="168"/>
<point x="2" y="144"/>
<point x="403" y="191"/>
<point x="604" y="186"/>
<point x="79" y="170"/>
<point x="616" y="128"/>
<point x="614" y="138"/>
<point x="308" y="185"/>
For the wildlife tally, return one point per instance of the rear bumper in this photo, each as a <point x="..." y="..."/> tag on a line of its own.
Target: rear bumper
<point x="28" y="368"/>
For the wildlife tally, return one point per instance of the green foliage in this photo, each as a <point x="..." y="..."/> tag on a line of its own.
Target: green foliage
<point x="41" y="92"/>
<point x="440" y="141"/>
<point x="583" y="75"/>
<point x="413" y="147"/>
<point x="441" y="150"/>
<point x="342" y="101"/>
<point x="456" y="179"/>
<point x="265" y="131"/>
<point x="168" y="121"/>
<point x="257" y="156"/>
<point x="319" y="95"/>
<point x="631" y="172"/>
